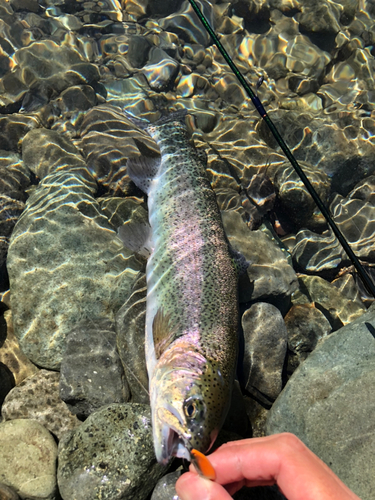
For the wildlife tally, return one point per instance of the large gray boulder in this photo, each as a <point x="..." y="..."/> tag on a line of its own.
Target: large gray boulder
<point x="329" y="404"/>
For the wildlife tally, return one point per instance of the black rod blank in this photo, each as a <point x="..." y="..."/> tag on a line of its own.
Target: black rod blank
<point x="262" y="112"/>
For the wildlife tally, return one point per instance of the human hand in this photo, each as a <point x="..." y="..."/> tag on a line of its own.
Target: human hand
<point x="280" y="459"/>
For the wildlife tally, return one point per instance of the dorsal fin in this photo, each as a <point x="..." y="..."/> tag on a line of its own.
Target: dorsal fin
<point x="164" y="334"/>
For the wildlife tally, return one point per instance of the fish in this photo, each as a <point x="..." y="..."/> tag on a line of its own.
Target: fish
<point x="192" y="303"/>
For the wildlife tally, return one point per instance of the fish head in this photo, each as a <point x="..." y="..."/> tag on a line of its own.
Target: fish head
<point x="189" y="404"/>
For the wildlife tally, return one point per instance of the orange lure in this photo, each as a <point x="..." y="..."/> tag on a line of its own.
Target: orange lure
<point x="203" y="465"/>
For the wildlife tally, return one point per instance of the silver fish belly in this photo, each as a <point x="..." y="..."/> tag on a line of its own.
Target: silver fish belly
<point x="192" y="307"/>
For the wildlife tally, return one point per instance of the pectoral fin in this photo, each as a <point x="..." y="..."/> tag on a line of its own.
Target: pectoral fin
<point x="164" y="334"/>
<point x="142" y="170"/>
<point x="137" y="237"/>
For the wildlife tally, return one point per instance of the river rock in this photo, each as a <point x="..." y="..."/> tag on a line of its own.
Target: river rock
<point x="37" y="398"/>
<point x="65" y="261"/>
<point x="120" y="210"/>
<point x="293" y="195"/>
<point x="328" y="403"/>
<point x="160" y="70"/>
<point x="91" y="371"/>
<point x="110" y="456"/>
<point x="108" y="138"/>
<point x="270" y="276"/>
<point x="13" y="128"/>
<point x="327" y="298"/>
<point x="265" y="339"/>
<point x="130" y="327"/>
<point x="28" y="459"/>
<point x="314" y="252"/>
<point x="165" y="487"/>
<point x="183" y="22"/>
<point x="11" y="356"/>
<point x="4" y="244"/>
<point x="7" y="493"/>
<point x="14" y="176"/>
<point x="306" y="325"/>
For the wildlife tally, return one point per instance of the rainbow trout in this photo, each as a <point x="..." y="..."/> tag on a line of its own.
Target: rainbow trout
<point x="191" y="316"/>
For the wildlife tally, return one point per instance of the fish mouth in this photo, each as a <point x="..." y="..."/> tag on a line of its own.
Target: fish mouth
<point x="173" y="439"/>
<point x="172" y="445"/>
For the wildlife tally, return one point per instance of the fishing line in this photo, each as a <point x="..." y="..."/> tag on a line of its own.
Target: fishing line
<point x="262" y="112"/>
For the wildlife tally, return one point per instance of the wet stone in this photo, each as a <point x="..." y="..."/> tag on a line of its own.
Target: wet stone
<point x="328" y="404"/>
<point x="160" y="70"/>
<point x="306" y="325"/>
<point x="108" y="138"/>
<point x="14" y="176"/>
<point x="294" y="197"/>
<point x="257" y="414"/>
<point x="270" y="276"/>
<point x="110" y="456"/>
<point x="10" y="210"/>
<point x="12" y="130"/>
<point x="265" y="339"/>
<point x="120" y="210"/>
<point x="28" y="459"/>
<point x="46" y="151"/>
<point x="183" y="22"/>
<point x="49" y="68"/>
<point x="37" y="398"/>
<point x="356" y="220"/>
<point x="319" y="16"/>
<point x="338" y="309"/>
<point x="7" y="493"/>
<point x="4" y="244"/>
<point x="79" y="97"/>
<point x="165" y="487"/>
<point x="11" y="356"/>
<point x="130" y="327"/>
<point x="316" y="252"/>
<point x="364" y="190"/>
<point x="91" y="371"/>
<point x="65" y="261"/>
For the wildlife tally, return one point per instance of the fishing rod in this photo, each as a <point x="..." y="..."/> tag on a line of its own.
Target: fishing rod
<point x="262" y="112"/>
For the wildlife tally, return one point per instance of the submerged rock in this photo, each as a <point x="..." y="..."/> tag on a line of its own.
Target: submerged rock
<point x="91" y="371"/>
<point x="131" y="327"/>
<point x="110" y="456"/>
<point x="108" y="138"/>
<point x="265" y="339"/>
<point x="37" y="398"/>
<point x="7" y="493"/>
<point x="28" y="459"/>
<point x="270" y="276"/>
<point x="11" y="356"/>
<point x="306" y="325"/>
<point x="65" y="261"/>
<point x="165" y="487"/>
<point x="328" y="404"/>
<point x="338" y="309"/>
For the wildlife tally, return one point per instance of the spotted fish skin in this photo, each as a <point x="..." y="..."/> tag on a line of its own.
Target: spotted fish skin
<point x="192" y="306"/>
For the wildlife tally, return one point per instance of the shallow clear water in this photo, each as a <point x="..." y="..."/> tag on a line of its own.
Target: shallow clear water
<point x="75" y="75"/>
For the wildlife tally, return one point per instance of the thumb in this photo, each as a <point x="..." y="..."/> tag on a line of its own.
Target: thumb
<point x="191" y="486"/>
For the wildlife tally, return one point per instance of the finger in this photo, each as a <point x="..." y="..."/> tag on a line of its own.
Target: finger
<point x="191" y="486"/>
<point x="281" y="459"/>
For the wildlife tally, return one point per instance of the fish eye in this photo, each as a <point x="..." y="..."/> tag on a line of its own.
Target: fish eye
<point x="191" y="410"/>
<point x="194" y="408"/>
